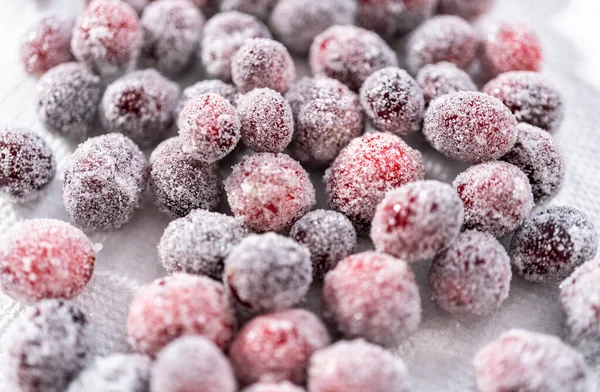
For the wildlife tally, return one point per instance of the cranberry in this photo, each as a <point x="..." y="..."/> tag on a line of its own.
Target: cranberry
<point x="392" y="18"/>
<point x="277" y="346"/>
<point x="226" y="90"/>
<point x="470" y="127"/>
<point x="511" y="47"/>
<point x="443" y="78"/>
<point x="137" y="5"/>
<point x="258" y="8"/>
<point x="274" y="387"/>
<point x="552" y="243"/>
<point x="467" y="9"/>
<point x="46" y="45"/>
<point x="116" y="372"/>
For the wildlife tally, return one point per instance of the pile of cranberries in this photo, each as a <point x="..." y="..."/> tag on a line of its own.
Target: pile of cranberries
<point x="223" y="319"/>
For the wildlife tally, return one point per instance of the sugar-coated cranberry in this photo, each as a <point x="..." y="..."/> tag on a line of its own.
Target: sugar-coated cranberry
<point x="268" y="272"/>
<point x="511" y="47"/>
<point x="116" y="372"/>
<point x="273" y="387"/>
<point x="442" y="38"/>
<point x="258" y="8"/>
<point x="267" y="120"/>
<point x="47" y="346"/>
<point x="443" y="78"/>
<point x="172" y="32"/>
<point x="262" y="62"/>
<point x="417" y="220"/>
<point x="373" y="296"/>
<point x="365" y="170"/>
<point x="327" y="115"/>
<point x="296" y="23"/>
<point x="277" y="346"/>
<point x="538" y="156"/>
<point x="216" y="86"/>
<point x="521" y="360"/>
<point x="472" y="276"/>
<point x="199" y="243"/>
<point x="209" y="127"/>
<point x="357" y="366"/>
<point x="46" y="45"/>
<point x="181" y="183"/>
<point x="192" y="363"/>
<point x="107" y="37"/>
<point x="137" y="5"/>
<point x="27" y="164"/>
<point x="350" y="54"/>
<point x="179" y="305"/>
<point x="45" y="258"/>
<point x="530" y="97"/>
<point x="103" y="182"/>
<point x="269" y="192"/>
<point x="470" y="127"/>
<point x="68" y="97"/>
<point x="328" y="235"/>
<point x="552" y="243"/>
<point x="223" y="36"/>
<point x="392" y="18"/>
<point x="393" y="101"/>
<point x="467" y="9"/>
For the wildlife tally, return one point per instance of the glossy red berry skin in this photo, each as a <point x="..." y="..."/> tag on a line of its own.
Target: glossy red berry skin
<point x="511" y="47"/>
<point x="46" y="45"/>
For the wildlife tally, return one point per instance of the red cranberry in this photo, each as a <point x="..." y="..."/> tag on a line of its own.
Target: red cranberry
<point x="137" y="5"/>
<point x="442" y="38"/>
<point x="258" y="8"/>
<point x="27" y="164"/>
<point x="46" y="45"/>
<point x="357" y="366"/>
<point x="176" y="306"/>
<point x="373" y="296"/>
<point x="392" y="18"/>
<point x="277" y="346"/>
<point x="108" y="37"/>
<point x="350" y="54"/>
<point x="29" y="270"/>
<point x="269" y="191"/>
<point x="552" y="243"/>
<point x="393" y="101"/>
<point x="417" y="220"/>
<point x="470" y="127"/>
<point x="443" y="78"/>
<point x="472" y="276"/>
<point x="226" y="90"/>
<point x="467" y="9"/>
<point x="273" y="387"/>
<point x="528" y="361"/>
<point x="511" y="47"/>
<point x="365" y="170"/>
<point x="117" y="372"/>
<point x="530" y="97"/>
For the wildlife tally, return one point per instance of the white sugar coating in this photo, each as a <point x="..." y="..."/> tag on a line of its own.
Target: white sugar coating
<point x="472" y="276"/>
<point x="115" y="373"/>
<point x="552" y="242"/>
<point x="496" y="195"/>
<point x="580" y="299"/>
<point x="268" y="272"/>
<point x="442" y="38"/>
<point x="192" y="363"/>
<point x="216" y="86"/>
<point x="262" y="62"/>
<point x="267" y="120"/>
<point x="328" y="235"/>
<point x="258" y="8"/>
<point x="223" y="36"/>
<point x="172" y="32"/>
<point x="269" y="192"/>
<point x="141" y="105"/>
<point x="296" y="23"/>
<point x="357" y="366"/>
<point x="181" y="183"/>
<point x="68" y="97"/>
<point x="27" y="165"/>
<point x="521" y="360"/>
<point x="531" y="97"/>
<point x="107" y="37"/>
<point x="373" y="296"/>
<point x="443" y="78"/>
<point x="273" y="387"/>
<point x="365" y="170"/>
<point x="137" y="5"/>
<point x="539" y="157"/>
<point x="392" y="18"/>
<point x="350" y="54"/>
<point x="468" y="9"/>
<point x="103" y="182"/>
<point x="46" y="44"/>
<point x="417" y="220"/>
<point x="209" y="127"/>
<point x="327" y="115"/>
<point x="199" y="242"/>
<point x="47" y="346"/>
<point x="470" y="127"/>
<point x="393" y="101"/>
